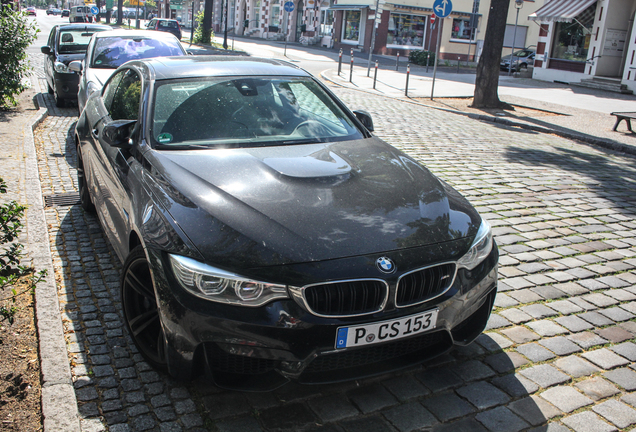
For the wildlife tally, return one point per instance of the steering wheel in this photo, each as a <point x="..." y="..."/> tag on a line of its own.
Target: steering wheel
<point x="307" y="123"/>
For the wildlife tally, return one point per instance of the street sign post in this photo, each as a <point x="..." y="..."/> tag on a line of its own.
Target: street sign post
<point x="289" y="8"/>
<point x="442" y="9"/>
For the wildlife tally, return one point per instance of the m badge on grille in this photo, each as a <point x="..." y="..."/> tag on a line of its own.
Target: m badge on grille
<point x="385" y="265"/>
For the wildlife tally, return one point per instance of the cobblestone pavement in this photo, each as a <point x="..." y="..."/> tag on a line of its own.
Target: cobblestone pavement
<point x="559" y="351"/>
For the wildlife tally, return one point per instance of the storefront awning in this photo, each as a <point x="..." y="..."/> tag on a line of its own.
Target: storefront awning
<point x="561" y="10"/>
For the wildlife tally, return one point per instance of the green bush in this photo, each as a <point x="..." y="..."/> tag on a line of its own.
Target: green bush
<point x="421" y="57"/>
<point x="17" y="32"/>
<point x="14" y="276"/>
<point x="199" y="36"/>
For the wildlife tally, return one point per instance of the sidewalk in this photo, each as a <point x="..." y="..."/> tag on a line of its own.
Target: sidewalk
<point x="571" y="112"/>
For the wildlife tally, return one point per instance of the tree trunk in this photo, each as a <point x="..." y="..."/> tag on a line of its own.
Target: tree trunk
<point x="120" y="10"/>
<point x="487" y="80"/>
<point x="207" y="21"/>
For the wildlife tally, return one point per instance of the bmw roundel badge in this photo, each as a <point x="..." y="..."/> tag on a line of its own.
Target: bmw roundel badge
<point x="385" y="265"/>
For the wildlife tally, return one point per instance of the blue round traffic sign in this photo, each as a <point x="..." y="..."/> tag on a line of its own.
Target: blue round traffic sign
<point x="94" y="10"/>
<point x="289" y="6"/>
<point x="442" y="8"/>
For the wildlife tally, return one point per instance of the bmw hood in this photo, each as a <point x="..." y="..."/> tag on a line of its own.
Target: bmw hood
<point x="303" y="203"/>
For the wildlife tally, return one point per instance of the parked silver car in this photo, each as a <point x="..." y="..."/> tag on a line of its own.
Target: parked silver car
<point x="522" y="59"/>
<point x="105" y="54"/>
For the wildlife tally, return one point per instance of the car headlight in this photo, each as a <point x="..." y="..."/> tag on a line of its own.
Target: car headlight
<point x="61" y="68"/>
<point x="221" y="286"/>
<point x="480" y="249"/>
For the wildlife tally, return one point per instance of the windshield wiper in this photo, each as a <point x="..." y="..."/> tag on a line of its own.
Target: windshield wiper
<point x="302" y="141"/>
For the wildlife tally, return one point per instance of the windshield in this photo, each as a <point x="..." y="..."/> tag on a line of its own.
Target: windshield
<point x="112" y="52"/>
<point x="523" y="53"/>
<point x="75" y="41"/>
<point x="245" y="112"/>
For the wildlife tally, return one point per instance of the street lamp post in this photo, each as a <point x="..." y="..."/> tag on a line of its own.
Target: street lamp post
<point x="518" y="6"/>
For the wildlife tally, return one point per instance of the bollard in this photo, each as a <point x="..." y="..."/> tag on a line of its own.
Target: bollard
<point x="351" y="69"/>
<point x="457" y="64"/>
<point x="375" y="74"/>
<point x="397" y="63"/>
<point x="339" y="61"/>
<point x="408" y="71"/>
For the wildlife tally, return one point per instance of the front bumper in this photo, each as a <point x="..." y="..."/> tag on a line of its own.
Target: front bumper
<point x="66" y="85"/>
<point x="263" y="348"/>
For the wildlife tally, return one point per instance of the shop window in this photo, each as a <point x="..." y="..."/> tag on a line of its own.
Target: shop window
<point x="274" y="21"/>
<point x="406" y="31"/>
<point x="572" y="40"/>
<point x="351" y="25"/>
<point x="461" y="29"/>
<point x="326" y="22"/>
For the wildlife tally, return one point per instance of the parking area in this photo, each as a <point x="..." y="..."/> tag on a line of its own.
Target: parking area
<point x="558" y="354"/>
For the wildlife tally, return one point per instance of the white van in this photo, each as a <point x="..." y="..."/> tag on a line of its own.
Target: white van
<point x="81" y="13"/>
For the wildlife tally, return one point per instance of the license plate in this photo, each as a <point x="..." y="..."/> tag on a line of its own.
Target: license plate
<point x="368" y="334"/>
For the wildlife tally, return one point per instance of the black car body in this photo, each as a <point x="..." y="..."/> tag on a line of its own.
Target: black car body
<point x="53" y="11"/>
<point x="65" y="12"/>
<point x="166" y="25"/>
<point x="66" y="43"/>
<point x="267" y="235"/>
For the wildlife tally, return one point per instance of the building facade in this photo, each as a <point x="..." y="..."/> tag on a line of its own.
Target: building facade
<point x="349" y="24"/>
<point x="586" y="39"/>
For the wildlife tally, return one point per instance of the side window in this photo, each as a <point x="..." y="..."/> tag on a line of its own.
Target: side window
<point x="111" y="88"/>
<point x="125" y="104"/>
<point x="51" y="42"/>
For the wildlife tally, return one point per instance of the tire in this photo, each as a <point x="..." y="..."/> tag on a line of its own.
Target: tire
<point x="85" y="198"/>
<point x="140" y="309"/>
<point x="59" y="102"/>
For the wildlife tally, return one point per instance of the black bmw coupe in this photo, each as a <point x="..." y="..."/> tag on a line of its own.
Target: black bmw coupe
<point x="267" y="235"/>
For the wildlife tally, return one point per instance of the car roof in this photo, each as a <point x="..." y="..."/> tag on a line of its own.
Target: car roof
<point x="136" y="33"/>
<point x="160" y="68"/>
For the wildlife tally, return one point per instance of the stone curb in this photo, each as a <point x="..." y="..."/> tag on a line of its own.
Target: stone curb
<point x="612" y="145"/>
<point x="59" y="405"/>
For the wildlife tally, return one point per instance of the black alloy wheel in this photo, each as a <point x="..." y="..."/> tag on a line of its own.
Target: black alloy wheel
<point x="85" y="198"/>
<point x="140" y="309"/>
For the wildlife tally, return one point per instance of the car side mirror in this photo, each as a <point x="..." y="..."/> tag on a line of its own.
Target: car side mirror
<point x="365" y="119"/>
<point x="76" y="66"/>
<point x="118" y="132"/>
<point x="46" y="50"/>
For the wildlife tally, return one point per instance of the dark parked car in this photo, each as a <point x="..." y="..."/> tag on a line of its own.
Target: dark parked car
<point x="65" y="13"/>
<point x="166" y="25"/>
<point x="267" y="235"/>
<point x="53" y="11"/>
<point x="106" y="52"/>
<point x="66" y="43"/>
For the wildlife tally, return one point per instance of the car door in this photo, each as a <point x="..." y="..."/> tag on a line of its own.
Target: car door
<point x="112" y="167"/>
<point x="49" y="61"/>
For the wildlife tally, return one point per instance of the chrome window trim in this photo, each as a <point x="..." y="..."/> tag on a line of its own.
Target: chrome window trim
<point x="397" y="286"/>
<point x="298" y="294"/>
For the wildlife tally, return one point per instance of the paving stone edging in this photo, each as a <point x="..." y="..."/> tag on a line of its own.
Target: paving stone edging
<point x="59" y="405"/>
<point x="564" y="134"/>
